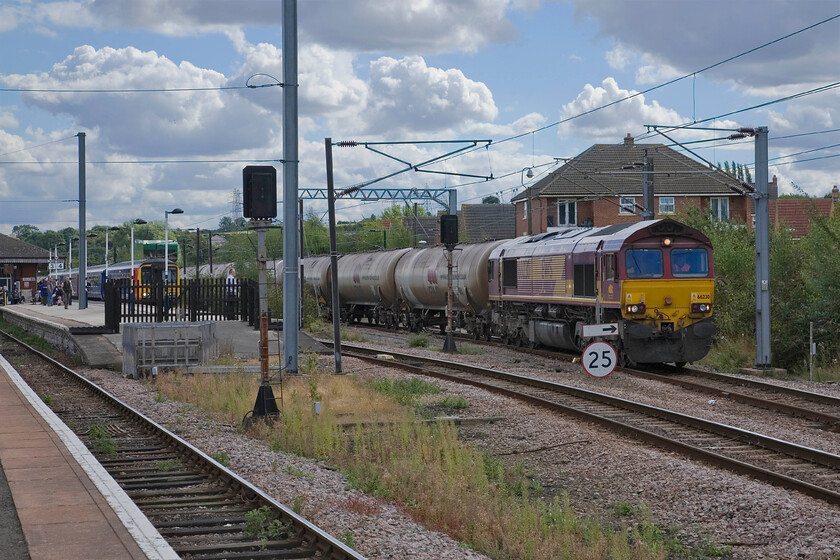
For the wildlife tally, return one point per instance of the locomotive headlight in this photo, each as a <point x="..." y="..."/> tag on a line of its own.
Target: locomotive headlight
<point x="701" y="307"/>
<point x="635" y="308"/>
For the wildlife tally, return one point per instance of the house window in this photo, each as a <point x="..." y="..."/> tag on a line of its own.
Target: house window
<point x="666" y="205"/>
<point x="566" y="213"/>
<point x="719" y="208"/>
<point x="627" y="205"/>
<point x="524" y="209"/>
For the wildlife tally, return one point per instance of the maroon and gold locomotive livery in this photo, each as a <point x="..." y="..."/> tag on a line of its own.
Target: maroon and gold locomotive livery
<point x="652" y="280"/>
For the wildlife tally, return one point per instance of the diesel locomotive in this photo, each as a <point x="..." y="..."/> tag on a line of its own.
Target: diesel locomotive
<point x="653" y="281"/>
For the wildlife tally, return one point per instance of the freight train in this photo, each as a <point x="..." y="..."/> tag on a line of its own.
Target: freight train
<point x="652" y="280"/>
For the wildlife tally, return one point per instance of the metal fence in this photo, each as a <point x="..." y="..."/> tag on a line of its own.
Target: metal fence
<point x="190" y="300"/>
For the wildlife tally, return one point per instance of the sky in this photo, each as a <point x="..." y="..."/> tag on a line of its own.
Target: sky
<point x="541" y="79"/>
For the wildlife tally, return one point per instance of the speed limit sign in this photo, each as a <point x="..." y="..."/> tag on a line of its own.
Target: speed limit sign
<point x="599" y="359"/>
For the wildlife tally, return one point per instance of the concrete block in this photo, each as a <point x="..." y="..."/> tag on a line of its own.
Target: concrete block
<point x="167" y="345"/>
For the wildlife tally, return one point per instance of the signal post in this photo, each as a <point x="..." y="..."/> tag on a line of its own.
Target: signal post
<point x="260" y="204"/>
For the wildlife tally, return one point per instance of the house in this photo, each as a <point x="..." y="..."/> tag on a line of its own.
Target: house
<point x="485" y="222"/>
<point x="797" y="213"/>
<point x="603" y="186"/>
<point x="19" y="264"/>
<point x="476" y="222"/>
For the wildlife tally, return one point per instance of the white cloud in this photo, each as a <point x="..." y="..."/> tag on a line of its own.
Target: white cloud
<point x="359" y="25"/>
<point x="407" y="95"/>
<point x="619" y="57"/>
<point x="7" y="119"/>
<point x="611" y="124"/>
<point x="148" y="124"/>
<point x="688" y="36"/>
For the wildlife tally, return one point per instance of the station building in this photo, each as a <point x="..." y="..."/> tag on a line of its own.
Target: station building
<point x="19" y="265"/>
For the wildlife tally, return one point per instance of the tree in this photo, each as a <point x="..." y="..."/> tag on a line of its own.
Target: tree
<point x="26" y="232"/>
<point x="492" y="199"/>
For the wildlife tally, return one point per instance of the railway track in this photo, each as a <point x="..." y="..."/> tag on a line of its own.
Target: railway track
<point x="807" y="470"/>
<point x="817" y="407"/>
<point x="203" y="510"/>
<point x="822" y="409"/>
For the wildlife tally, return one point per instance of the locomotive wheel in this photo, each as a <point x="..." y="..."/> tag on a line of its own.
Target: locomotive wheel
<point x="505" y="338"/>
<point x="488" y="333"/>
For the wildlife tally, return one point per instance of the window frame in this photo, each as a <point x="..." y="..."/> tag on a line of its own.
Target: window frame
<point x="639" y="275"/>
<point x="568" y="220"/>
<point x="717" y="212"/>
<point x="625" y="208"/>
<point x="662" y="203"/>
<point x="689" y="251"/>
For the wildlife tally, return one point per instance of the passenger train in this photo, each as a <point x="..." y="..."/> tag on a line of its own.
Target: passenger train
<point x="653" y="280"/>
<point x="142" y="274"/>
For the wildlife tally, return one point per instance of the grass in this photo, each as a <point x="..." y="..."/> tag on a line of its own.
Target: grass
<point x="221" y="457"/>
<point x="419" y="340"/>
<point x="101" y="439"/>
<point x="727" y="355"/>
<point x="259" y="524"/>
<point x="404" y="391"/>
<point x="442" y="483"/>
<point x="167" y="465"/>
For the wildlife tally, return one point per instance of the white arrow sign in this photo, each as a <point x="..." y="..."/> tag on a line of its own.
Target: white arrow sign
<point x="605" y="329"/>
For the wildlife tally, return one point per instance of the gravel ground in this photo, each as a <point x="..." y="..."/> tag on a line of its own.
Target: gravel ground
<point x="600" y="470"/>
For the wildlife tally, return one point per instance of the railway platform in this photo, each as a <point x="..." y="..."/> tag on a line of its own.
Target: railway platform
<point x="57" y="325"/>
<point x="56" y="501"/>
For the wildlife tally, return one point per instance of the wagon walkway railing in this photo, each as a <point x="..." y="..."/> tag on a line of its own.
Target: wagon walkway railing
<point x="191" y="300"/>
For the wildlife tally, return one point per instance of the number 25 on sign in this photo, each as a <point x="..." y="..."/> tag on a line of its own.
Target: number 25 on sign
<point x="599" y="359"/>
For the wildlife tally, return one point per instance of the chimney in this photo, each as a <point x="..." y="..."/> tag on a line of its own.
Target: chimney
<point x="628" y="140"/>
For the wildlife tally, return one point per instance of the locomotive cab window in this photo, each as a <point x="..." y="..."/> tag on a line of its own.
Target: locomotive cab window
<point x="509" y="273"/>
<point x="689" y="263"/>
<point x="609" y="267"/>
<point x="643" y="263"/>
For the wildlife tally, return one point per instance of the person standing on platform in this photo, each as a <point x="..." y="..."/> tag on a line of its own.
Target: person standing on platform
<point x="50" y="290"/>
<point x="68" y="292"/>
<point x="230" y="294"/>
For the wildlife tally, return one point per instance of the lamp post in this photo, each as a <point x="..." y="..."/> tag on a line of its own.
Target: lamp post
<point x="137" y="222"/>
<point x="530" y="201"/>
<point x="106" y="247"/>
<point x="384" y="236"/>
<point x="166" y="240"/>
<point x="70" y="241"/>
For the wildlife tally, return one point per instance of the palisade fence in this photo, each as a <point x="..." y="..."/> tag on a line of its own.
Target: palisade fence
<point x="199" y="299"/>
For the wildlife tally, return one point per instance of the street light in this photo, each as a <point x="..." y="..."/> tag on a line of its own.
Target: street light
<point x="70" y="241"/>
<point x="384" y="236"/>
<point x="137" y="222"/>
<point x="166" y="240"/>
<point x="114" y="228"/>
<point x="530" y="201"/>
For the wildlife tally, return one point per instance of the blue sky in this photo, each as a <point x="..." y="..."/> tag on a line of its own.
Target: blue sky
<point x="396" y="71"/>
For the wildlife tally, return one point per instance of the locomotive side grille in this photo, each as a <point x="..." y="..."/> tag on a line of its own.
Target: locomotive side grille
<point x="542" y="276"/>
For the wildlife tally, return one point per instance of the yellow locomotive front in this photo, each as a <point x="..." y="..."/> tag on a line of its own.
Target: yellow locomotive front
<point x="667" y="295"/>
